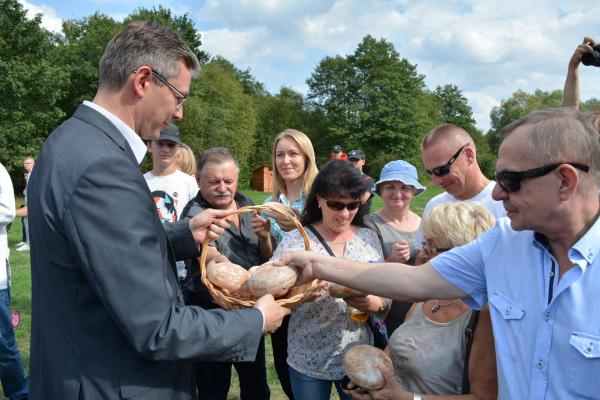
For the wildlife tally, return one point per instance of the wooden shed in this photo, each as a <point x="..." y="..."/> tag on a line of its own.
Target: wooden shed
<point x="261" y="179"/>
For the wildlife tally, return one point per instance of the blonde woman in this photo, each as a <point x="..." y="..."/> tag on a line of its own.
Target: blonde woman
<point x="294" y="170"/>
<point x="429" y="350"/>
<point x="186" y="161"/>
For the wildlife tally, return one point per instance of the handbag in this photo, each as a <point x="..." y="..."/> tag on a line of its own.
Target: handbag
<point x="377" y="326"/>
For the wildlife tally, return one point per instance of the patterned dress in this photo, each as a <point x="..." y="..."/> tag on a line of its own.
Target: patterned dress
<point x="321" y="331"/>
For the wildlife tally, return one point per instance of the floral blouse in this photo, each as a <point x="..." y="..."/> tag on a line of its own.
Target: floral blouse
<point x="298" y="204"/>
<point x="321" y="331"/>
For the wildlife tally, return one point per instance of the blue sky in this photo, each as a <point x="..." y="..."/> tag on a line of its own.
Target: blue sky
<point x="488" y="48"/>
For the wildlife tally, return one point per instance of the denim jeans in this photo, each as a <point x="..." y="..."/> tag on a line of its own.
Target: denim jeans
<point x="308" y="388"/>
<point x="12" y="374"/>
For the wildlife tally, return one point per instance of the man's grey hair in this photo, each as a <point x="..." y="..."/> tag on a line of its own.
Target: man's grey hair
<point x="562" y="135"/>
<point x="144" y="43"/>
<point x="216" y="155"/>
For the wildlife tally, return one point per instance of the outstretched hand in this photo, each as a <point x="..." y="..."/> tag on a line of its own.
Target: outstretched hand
<point x="209" y="223"/>
<point x="304" y="261"/>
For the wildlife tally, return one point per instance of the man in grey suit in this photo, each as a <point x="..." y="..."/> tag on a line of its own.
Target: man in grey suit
<point x="108" y="318"/>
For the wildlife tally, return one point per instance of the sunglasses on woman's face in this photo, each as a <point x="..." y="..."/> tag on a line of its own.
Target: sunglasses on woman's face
<point x="510" y="181"/>
<point x="444" y="170"/>
<point x="340" y="205"/>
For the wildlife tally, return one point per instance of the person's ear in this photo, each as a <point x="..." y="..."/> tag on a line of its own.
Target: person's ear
<point x="469" y="155"/>
<point x="149" y="146"/>
<point x="141" y="80"/>
<point x="569" y="180"/>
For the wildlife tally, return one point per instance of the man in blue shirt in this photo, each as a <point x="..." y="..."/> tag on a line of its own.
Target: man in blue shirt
<point x="539" y="268"/>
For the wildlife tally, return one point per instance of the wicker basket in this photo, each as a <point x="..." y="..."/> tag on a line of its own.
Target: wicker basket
<point x="295" y="296"/>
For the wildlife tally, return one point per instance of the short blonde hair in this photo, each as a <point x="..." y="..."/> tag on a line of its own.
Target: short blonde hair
<point x="186" y="160"/>
<point x="455" y="224"/>
<point x="310" y="170"/>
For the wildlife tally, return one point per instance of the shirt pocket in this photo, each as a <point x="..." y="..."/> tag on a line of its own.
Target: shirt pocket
<point x="508" y="316"/>
<point x="584" y="364"/>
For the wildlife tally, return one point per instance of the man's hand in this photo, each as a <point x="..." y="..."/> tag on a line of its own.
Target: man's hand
<point x="400" y="252"/>
<point x="304" y="261"/>
<point x="262" y="227"/>
<point x="583" y="48"/>
<point x="391" y="391"/>
<point x="272" y="312"/>
<point x="211" y="223"/>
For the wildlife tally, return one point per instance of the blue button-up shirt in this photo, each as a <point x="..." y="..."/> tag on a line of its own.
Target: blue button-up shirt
<point x="547" y="331"/>
<point x="276" y="230"/>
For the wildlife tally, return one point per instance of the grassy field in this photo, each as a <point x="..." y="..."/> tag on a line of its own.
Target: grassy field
<point x="21" y="292"/>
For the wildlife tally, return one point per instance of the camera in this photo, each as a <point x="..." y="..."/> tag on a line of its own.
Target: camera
<point x="592" y="58"/>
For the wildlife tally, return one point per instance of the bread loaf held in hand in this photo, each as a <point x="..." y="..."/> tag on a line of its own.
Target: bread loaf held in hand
<point x="342" y="292"/>
<point x="269" y="279"/>
<point x="363" y="365"/>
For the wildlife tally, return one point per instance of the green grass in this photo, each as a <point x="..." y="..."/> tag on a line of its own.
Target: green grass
<point x="21" y="293"/>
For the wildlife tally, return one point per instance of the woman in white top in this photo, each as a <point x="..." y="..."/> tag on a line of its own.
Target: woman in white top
<point x="429" y="350"/>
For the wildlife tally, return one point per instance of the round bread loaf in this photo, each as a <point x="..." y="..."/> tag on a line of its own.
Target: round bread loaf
<point x="363" y="365"/>
<point x="227" y="276"/>
<point x="268" y="278"/>
<point x="342" y="292"/>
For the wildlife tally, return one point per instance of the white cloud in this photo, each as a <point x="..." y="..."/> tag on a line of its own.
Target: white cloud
<point x="50" y="19"/>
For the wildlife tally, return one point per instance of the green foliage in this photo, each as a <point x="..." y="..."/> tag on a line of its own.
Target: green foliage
<point x="78" y="53"/>
<point x="590" y="105"/>
<point x="517" y="106"/>
<point x="219" y="113"/>
<point x="372" y="101"/>
<point x="30" y="88"/>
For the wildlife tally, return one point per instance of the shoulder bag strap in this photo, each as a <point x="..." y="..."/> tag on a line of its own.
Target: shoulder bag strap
<point x="470" y="334"/>
<point x="320" y="238"/>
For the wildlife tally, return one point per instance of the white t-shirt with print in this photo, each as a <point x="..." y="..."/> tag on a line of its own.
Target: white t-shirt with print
<point x="171" y="193"/>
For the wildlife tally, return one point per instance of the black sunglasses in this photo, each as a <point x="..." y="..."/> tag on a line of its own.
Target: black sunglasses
<point x="340" y="205"/>
<point x="510" y="181"/>
<point x="444" y="170"/>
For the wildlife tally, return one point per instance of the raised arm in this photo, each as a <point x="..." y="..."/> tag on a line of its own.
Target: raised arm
<point x="571" y="89"/>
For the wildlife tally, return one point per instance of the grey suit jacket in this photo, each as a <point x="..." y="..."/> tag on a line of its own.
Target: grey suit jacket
<point x="108" y="321"/>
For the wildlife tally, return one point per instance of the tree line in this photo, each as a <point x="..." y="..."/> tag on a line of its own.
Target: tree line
<point x="372" y="99"/>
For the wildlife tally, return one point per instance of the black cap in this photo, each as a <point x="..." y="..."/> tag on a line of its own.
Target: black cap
<point x="171" y="133"/>
<point x="356" y="154"/>
<point x="336" y="148"/>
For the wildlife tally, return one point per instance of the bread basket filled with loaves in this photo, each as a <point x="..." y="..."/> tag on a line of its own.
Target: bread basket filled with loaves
<point x="234" y="287"/>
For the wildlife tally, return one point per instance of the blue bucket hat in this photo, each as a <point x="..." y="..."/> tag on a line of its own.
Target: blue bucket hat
<point x="401" y="171"/>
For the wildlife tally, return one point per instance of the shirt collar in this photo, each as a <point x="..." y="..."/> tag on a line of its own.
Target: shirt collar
<point x="135" y="141"/>
<point x="586" y="248"/>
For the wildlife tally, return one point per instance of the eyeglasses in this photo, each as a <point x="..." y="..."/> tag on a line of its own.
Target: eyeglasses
<point x="510" y="181"/>
<point x="340" y="205"/>
<point x="444" y="170"/>
<point x="433" y="251"/>
<point x="179" y="97"/>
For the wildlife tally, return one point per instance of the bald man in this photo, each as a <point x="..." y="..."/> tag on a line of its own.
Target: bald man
<point x="450" y="157"/>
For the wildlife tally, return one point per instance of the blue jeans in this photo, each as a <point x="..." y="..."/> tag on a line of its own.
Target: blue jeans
<point x="12" y="374"/>
<point x="308" y="388"/>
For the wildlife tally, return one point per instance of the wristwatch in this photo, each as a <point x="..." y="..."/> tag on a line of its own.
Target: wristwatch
<point x="417" y="396"/>
<point x="382" y="307"/>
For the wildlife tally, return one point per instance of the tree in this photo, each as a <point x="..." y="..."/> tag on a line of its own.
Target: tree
<point x="219" y="113"/>
<point x="30" y="88"/>
<point x="371" y="100"/>
<point x="517" y="106"/>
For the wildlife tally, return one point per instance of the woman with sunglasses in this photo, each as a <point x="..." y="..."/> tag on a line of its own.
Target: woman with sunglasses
<point x="429" y="351"/>
<point x="321" y="331"/>
<point x="294" y="170"/>
<point x="396" y="225"/>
